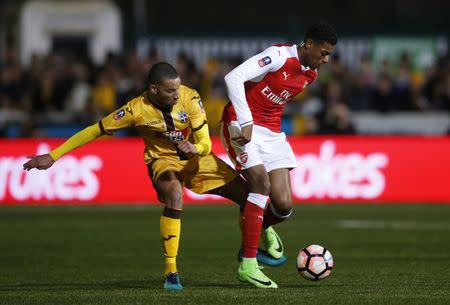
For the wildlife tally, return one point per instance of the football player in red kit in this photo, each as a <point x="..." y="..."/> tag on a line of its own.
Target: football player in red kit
<point x="259" y="89"/>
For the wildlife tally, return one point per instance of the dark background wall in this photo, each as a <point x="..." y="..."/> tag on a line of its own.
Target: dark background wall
<point x="255" y="17"/>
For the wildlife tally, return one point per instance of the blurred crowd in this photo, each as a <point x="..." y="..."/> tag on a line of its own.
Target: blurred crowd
<point x="69" y="90"/>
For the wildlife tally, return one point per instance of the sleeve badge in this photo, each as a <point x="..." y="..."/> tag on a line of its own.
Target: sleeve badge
<point x="264" y="61"/>
<point x="120" y="114"/>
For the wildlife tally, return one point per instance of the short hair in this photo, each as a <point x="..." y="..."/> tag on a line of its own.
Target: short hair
<point x="322" y="32"/>
<point x="159" y="72"/>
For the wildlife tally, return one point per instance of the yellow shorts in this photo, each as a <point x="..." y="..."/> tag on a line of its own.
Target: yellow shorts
<point x="199" y="174"/>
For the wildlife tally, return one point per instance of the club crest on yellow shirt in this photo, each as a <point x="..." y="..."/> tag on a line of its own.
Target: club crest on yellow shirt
<point x="119" y="114"/>
<point x="183" y="116"/>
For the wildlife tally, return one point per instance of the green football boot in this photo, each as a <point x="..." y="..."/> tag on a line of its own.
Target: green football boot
<point x="273" y="243"/>
<point x="249" y="272"/>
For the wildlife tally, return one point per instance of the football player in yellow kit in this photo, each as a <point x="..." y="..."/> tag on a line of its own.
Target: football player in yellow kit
<point x="166" y="116"/>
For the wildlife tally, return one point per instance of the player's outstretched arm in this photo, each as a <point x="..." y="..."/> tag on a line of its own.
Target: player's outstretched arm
<point x="45" y="161"/>
<point x="39" y="162"/>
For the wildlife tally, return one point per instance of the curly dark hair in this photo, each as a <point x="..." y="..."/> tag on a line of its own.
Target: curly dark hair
<point x="322" y="32"/>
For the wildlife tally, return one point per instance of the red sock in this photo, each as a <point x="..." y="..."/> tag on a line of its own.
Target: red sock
<point x="252" y="222"/>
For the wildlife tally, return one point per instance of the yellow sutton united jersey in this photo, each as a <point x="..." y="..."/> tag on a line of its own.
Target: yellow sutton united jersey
<point x="161" y="130"/>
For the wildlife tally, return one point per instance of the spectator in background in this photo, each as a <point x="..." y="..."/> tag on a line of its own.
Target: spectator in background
<point x="339" y="72"/>
<point x="214" y="104"/>
<point x="383" y="98"/>
<point x="13" y="85"/>
<point x="130" y="83"/>
<point x="43" y="93"/>
<point x="188" y="71"/>
<point x="153" y="57"/>
<point x="52" y="85"/>
<point x="335" y="117"/>
<point x="437" y="86"/>
<point x="104" y="94"/>
<point x="334" y="93"/>
<point x="363" y="81"/>
<point x="402" y="85"/>
<point x="444" y="97"/>
<point x="385" y="68"/>
<point x="80" y="93"/>
<point x="337" y="120"/>
<point x="57" y="86"/>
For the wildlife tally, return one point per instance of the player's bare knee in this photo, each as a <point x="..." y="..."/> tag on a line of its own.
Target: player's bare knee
<point x="172" y="199"/>
<point x="283" y="205"/>
<point x="282" y="208"/>
<point x="176" y="198"/>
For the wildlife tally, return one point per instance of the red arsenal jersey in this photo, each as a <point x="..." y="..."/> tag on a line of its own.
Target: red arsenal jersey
<point x="261" y="86"/>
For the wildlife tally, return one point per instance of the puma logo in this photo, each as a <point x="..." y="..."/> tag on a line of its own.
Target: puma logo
<point x="169" y="237"/>
<point x="285" y="75"/>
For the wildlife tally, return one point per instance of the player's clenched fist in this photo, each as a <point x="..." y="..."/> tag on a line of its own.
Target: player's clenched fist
<point x="245" y="137"/>
<point x="187" y="148"/>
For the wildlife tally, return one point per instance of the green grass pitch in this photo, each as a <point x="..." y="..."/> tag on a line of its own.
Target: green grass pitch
<point x="398" y="254"/>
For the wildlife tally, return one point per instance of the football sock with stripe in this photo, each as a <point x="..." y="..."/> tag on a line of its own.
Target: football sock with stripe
<point x="170" y="228"/>
<point x="252" y="221"/>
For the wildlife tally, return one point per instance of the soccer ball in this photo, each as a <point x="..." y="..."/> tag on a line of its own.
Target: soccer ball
<point x="314" y="262"/>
